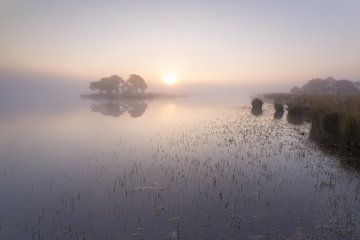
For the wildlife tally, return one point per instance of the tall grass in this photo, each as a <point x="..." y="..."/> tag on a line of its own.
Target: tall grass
<point x="335" y="118"/>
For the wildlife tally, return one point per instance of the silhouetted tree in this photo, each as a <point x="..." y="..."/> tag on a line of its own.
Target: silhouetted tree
<point x="137" y="83"/>
<point x="115" y="84"/>
<point x="124" y="86"/>
<point x="108" y="84"/>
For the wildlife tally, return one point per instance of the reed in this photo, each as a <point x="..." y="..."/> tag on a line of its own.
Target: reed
<point x="335" y="118"/>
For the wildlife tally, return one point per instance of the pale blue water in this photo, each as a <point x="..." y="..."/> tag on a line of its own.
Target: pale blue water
<point x="188" y="168"/>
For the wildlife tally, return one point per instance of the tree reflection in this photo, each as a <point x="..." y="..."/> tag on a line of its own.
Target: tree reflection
<point x="278" y="115"/>
<point x="295" y="119"/>
<point x="116" y="107"/>
<point x="256" y="111"/>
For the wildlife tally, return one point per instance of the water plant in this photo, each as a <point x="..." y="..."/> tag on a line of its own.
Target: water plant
<point x="335" y="118"/>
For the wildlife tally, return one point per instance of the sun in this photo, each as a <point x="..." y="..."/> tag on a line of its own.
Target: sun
<point x="169" y="78"/>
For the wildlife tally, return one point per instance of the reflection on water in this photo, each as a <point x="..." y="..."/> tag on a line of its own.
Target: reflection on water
<point x="115" y="108"/>
<point x="256" y="111"/>
<point x="181" y="171"/>
<point x="278" y="115"/>
<point x="298" y="116"/>
<point x="295" y="119"/>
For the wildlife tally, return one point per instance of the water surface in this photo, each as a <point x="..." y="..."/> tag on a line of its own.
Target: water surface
<point x="169" y="169"/>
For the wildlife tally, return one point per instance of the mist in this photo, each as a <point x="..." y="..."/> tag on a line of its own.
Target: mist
<point x="25" y="91"/>
<point x="154" y="119"/>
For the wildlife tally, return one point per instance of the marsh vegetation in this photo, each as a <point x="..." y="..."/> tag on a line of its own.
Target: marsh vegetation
<point x="335" y="119"/>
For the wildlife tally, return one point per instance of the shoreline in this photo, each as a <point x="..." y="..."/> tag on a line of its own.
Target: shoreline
<point x="335" y="119"/>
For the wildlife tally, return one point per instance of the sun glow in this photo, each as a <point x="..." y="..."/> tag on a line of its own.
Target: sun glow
<point x="169" y="78"/>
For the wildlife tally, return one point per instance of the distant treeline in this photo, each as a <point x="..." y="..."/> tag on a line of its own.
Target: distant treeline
<point x="328" y="86"/>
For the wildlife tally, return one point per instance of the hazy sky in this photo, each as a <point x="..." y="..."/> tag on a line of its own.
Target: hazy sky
<point x="201" y="41"/>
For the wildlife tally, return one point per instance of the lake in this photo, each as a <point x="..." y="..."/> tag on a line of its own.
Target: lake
<point x="187" y="168"/>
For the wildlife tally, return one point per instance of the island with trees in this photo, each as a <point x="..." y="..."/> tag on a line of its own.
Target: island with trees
<point x="115" y="87"/>
<point x="114" y="96"/>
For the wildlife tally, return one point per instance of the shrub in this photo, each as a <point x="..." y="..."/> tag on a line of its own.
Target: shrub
<point x="257" y="103"/>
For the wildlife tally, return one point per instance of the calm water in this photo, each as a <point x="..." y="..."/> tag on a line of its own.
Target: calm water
<point x="169" y="169"/>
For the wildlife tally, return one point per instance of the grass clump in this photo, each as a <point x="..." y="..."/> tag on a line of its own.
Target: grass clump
<point x="279" y="107"/>
<point x="336" y="120"/>
<point x="257" y="103"/>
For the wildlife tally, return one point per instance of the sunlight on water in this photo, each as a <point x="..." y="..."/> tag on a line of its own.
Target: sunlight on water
<point x="177" y="169"/>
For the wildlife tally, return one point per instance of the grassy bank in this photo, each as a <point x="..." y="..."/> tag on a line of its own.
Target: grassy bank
<point x="335" y="118"/>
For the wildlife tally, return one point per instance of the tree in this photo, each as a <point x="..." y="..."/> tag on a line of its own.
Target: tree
<point x="124" y="86"/>
<point x="137" y="83"/>
<point x="108" y="84"/>
<point x="115" y="84"/>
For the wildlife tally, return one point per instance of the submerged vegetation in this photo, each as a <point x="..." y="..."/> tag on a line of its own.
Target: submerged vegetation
<point x="335" y="118"/>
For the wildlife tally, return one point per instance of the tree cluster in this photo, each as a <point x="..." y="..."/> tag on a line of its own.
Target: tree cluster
<point x="114" y="84"/>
